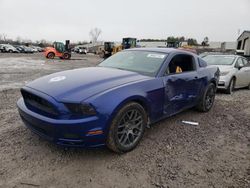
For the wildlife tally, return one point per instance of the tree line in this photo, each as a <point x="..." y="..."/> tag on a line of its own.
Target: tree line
<point x="172" y="39"/>
<point x="4" y="39"/>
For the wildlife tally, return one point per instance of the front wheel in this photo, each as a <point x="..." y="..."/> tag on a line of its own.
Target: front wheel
<point x="207" y="100"/>
<point x="230" y="87"/>
<point x="66" y="56"/>
<point x="127" y="128"/>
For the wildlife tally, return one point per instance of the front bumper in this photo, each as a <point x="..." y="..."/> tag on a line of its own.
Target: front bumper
<point x="223" y="82"/>
<point x="70" y="133"/>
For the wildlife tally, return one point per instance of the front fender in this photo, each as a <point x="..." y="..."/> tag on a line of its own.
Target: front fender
<point x="149" y="93"/>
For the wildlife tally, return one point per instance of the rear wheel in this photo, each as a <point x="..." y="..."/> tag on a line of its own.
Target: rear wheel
<point x="230" y="87"/>
<point x="127" y="128"/>
<point x="10" y="51"/>
<point x="51" y="55"/>
<point x="207" y="100"/>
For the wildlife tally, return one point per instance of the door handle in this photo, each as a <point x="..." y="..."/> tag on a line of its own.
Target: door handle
<point x="196" y="77"/>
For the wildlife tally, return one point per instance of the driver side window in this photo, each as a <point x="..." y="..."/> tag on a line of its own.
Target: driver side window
<point x="181" y="63"/>
<point x="246" y="63"/>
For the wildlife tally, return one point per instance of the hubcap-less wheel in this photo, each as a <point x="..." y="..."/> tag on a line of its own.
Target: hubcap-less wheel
<point x="231" y="86"/>
<point x="51" y="55"/>
<point x="209" y="100"/>
<point x="66" y="56"/>
<point x="130" y="128"/>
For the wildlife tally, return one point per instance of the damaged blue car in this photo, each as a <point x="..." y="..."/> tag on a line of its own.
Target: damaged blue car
<point x="112" y="104"/>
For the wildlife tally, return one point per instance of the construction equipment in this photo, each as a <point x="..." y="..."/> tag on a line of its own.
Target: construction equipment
<point x="58" y="50"/>
<point x="128" y="43"/>
<point x="110" y="48"/>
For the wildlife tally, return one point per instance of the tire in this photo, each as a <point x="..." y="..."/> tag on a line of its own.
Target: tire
<point x="129" y="123"/>
<point x="207" y="100"/>
<point x="66" y="56"/>
<point x="50" y="55"/>
<point x="248" y="87"/>
<point x="230" y="87"/>
<point x="10" y="51"/>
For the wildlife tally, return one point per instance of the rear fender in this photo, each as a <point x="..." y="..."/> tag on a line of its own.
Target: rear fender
<point x="49" y="50"/>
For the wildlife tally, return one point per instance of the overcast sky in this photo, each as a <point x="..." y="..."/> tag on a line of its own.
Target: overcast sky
<point x="57" y="20"/>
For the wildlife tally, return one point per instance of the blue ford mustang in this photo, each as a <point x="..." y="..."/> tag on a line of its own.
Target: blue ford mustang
<point x="111" y="104"/>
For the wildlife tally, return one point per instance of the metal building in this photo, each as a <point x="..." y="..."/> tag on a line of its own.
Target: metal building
<point x="243" y="43"/>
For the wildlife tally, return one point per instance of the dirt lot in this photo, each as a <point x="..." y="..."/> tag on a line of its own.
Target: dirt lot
<point x="213" y="154"/>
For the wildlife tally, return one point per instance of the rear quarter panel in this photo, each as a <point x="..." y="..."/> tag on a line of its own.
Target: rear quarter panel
<point x="50" y="49"/>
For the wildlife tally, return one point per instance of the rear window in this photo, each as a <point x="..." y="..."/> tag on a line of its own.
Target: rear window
<point x="219" y="59"/>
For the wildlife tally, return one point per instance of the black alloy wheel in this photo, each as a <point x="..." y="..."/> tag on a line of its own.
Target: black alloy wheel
<point x="127" y="128"/>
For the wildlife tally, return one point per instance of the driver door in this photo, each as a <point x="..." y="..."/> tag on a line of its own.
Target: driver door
<point x="243" y="74"/>
<point x="182" y="88"/>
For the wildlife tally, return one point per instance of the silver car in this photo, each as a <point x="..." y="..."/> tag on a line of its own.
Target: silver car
<point x="234" y="71"/>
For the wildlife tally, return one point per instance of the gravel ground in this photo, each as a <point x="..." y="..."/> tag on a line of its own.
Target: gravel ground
<point x="213" y="154"/>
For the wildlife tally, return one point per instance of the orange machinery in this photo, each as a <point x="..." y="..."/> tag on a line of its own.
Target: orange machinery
<point x="58" y="50"/>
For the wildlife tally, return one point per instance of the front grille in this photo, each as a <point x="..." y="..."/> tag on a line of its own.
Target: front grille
<point x="221" y="84"/>
<point x="38" y="103"/>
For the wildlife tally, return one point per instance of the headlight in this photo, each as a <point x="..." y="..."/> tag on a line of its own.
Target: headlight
<point x="81" y="109"/>
<point x="224" y="73"/>
<point x="87" y="109"/>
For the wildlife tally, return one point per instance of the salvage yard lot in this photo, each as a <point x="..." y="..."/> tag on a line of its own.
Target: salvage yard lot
<point x="213" y="154"/>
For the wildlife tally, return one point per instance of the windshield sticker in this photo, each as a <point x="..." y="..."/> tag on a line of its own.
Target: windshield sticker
<point x="159" y="56"/>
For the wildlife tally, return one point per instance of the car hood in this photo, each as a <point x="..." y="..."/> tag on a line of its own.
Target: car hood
<point x="79" y="84"/>
<point x="223" y="68"/>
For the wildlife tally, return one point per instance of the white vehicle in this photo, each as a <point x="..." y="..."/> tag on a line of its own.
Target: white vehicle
<point x="81" y="50"/>
<point x="8" y="48"/>
<point x="234" y="71"/>
<point x="33" y="48"/>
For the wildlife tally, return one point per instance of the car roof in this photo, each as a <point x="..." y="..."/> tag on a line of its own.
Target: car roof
<point x="161" y="50"/>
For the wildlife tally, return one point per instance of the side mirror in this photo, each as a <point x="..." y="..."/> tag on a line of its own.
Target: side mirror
<point x="239" y="66"/>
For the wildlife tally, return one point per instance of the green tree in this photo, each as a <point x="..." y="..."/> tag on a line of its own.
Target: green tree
<point x="192" y="42"/>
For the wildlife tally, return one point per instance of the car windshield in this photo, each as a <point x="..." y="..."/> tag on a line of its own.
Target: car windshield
<point x="143" y="62"/>
<point x="219" y="59"/>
